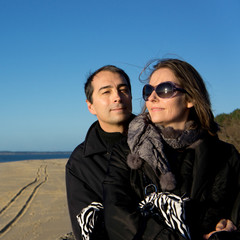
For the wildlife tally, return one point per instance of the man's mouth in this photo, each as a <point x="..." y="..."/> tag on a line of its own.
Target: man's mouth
<point x="118" y="108"/>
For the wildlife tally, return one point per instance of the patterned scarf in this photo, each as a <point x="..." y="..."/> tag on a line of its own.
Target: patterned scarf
<point x="146" y="142"/>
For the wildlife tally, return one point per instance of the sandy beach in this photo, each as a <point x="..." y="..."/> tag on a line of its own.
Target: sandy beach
<point x="33" y="203"/>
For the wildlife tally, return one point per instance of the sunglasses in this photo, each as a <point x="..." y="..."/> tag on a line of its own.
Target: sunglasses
<point x="163" y="90"/>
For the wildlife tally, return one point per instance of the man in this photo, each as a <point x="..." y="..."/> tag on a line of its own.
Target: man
<point x="108" y="93"/>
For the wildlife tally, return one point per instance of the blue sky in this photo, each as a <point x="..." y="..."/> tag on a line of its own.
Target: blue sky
<point x="48" y="47"/>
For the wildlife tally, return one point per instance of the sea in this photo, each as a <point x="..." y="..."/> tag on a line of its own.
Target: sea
<point x="20" y="156"/>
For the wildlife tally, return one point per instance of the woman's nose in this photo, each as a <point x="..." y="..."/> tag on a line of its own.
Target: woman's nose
<point x="153" y="96"/>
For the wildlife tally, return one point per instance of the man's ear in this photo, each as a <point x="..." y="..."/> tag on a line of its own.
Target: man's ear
<point x="91" y="108"/>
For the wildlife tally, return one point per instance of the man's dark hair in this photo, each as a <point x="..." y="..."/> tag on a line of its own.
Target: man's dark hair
<point x="110" y="68"/>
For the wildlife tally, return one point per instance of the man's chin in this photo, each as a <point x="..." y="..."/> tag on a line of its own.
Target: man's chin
<point x="121" y="118"/>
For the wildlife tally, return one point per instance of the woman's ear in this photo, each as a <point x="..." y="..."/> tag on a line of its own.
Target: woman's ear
<point x="190" y="104"/>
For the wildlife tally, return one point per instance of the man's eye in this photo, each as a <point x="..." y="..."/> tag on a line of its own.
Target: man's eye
<point x="105" y="92"/>
<point x="124" y="90"/>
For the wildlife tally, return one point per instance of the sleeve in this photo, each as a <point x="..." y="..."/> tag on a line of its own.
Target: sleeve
<point x="79" y="193"/>
<point x="235" y="216"/>
<point x="225" y="194"/>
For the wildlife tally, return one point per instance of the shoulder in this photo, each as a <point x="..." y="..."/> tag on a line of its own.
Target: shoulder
<point x="221" y="152"/>
<point x="214" y="143"/>
<point x="79" y="151"/>
<point x="75" y="156"/>
<point x="231" y="153"/>
<point x="225" y="149"/>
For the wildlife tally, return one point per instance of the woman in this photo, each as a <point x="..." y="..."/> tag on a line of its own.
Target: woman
<point x="175" y="179"/>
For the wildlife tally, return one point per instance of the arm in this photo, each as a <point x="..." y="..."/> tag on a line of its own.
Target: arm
<point x="227" y="224"/>
<point x="235" y="215"/>
<point x="82" y="186"/>
<point x="79" y="195"/>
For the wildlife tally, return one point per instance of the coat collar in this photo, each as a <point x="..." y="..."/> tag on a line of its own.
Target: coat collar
<point x="96" y="144"/>
<point x="93" y="142"/>
<point x="97" y="141"/>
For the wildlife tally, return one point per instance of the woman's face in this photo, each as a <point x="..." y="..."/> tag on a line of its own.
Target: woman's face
<point x="169" y="112"/>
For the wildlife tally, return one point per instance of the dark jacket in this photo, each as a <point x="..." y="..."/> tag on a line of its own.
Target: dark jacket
<point x="85" y="171"/>
<point x="208" y="173"/>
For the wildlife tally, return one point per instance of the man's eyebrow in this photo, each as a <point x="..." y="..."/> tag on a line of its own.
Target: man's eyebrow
<point x="105" y="87"/>
<point x="122" y="85"/>
<point x="110" y="86"/>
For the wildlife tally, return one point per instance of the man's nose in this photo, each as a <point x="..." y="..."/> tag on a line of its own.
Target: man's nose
<point x="117" y="96"/>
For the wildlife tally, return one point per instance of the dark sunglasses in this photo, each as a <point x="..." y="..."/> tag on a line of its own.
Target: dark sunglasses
<point x="163" y="90"/>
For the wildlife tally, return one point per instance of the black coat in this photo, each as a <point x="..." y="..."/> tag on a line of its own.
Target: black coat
<point x="209" y="173"/>
<point x="85" y="171"/>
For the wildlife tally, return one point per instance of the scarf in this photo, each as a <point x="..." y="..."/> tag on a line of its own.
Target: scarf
<point x="146" y="141"/>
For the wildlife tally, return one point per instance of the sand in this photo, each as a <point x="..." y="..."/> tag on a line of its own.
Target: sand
<point x="33" y="202"/>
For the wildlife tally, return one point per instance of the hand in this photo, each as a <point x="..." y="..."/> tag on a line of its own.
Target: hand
<point x="223" y="225"/>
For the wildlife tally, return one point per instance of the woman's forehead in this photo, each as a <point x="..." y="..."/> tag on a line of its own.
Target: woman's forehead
<point x="163" y="75"/>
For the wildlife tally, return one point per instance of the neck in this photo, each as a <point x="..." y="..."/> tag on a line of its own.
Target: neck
<point x="113" y="128"/>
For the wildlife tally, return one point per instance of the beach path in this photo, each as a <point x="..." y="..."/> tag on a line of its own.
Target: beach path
<point x="33" y="201"/>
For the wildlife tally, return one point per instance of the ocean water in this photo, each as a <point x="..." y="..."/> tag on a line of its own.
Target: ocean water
<point x="19" y="156"/>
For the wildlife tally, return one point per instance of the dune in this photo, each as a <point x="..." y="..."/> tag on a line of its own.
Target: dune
<point x="33" y="202"/>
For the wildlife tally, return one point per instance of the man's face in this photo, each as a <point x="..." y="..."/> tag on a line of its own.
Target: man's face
<point x="111" y="100"/>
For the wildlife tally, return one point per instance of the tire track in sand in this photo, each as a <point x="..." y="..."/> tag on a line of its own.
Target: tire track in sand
<point x="16" y="207"/>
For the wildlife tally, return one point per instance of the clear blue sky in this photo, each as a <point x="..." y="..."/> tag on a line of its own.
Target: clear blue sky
<point x="48" y="47"/>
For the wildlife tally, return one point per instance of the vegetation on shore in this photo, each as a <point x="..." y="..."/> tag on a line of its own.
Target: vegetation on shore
<point x="230" y="127"/>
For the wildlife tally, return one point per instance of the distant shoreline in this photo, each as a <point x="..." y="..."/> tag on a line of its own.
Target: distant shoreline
<point x="33" y="152"/>
<point x="7" y="156"/>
